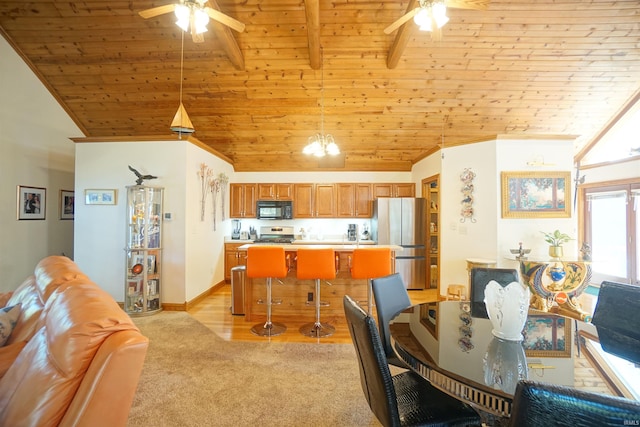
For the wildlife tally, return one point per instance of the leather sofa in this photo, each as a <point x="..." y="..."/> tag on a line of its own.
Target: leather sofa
<point x="74" y="357"/>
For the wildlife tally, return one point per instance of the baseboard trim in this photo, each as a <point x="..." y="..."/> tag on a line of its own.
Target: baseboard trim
<point x="186" y="306"/>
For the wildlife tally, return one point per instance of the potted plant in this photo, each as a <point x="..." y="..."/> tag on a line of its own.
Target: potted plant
<point x="555" y="241"/>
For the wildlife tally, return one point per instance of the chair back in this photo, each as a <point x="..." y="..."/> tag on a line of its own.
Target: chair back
<point x="316" y="263"/>
<point x="266" y="261"/>
<point x="391" y="297"/>
<point x="375" y="377"/>
<point x="368" y="263"/>
<point x="539" y="404"/>
<point x="617" y="319"/>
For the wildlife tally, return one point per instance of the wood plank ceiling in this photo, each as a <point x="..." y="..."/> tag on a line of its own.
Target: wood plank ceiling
<point x="521" y="68"/>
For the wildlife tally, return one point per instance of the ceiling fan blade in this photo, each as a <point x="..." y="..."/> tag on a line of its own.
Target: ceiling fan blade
<point x="156" y="11"/>
<point x="468" y="4"/>
<point x="404" y="18"/>
<point x="225" y="19"/>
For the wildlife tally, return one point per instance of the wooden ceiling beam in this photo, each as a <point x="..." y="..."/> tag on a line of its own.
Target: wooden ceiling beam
<point x="312" y="11"/>
<point x="403" y="35"/>
<point x="227" y="40"/>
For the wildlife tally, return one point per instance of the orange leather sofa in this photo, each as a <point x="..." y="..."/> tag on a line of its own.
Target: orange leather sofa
<point x="74" y="357"/>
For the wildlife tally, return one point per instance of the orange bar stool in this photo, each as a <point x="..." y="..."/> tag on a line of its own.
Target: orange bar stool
<point x="316" y="264"/>
<point x="370" y="263"/>
<point x="267" y="262"/>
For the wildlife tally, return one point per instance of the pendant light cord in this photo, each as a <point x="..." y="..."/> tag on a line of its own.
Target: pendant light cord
<point x="322" y="94"/>
<point x="181" y="71"/>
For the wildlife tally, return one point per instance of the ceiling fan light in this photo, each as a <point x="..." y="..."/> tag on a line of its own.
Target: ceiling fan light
<point x="201" y="20"/>
<point x="422" y="18"/>
<point x="182" y="13"/>
<point x="439" y="11"/>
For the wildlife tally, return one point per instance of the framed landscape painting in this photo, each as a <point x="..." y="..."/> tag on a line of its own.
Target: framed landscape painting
<point x="536" y="194"/>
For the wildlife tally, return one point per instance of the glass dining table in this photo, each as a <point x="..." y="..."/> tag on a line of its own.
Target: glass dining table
<point x="459" y="354"/>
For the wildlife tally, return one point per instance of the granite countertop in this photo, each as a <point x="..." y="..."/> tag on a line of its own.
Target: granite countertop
<point x="331" y="242"/>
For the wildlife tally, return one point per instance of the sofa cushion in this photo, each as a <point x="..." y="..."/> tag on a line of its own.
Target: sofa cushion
<point x="32" y="307"/>
<point x="53" y="271"/>
<point x="8" y="355"/>
<point x="8" y="318"/>
<point x="4" y="298"/>
<point x="78" y="317"/>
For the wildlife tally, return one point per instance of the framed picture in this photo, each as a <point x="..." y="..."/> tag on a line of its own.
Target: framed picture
<point x="536" y="194"/>
<point x="547" y="336"/>
<point x="100" y="197"/>
<point x="32" y="202"/>
<point x="67" y="202"/>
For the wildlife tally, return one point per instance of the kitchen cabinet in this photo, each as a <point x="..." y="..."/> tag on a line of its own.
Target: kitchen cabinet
<point x="314" y="201"/>
<point x="233" y="258"/>
<point x="354" y="200"/>
<point x="275" y="192"/>
<point x="242" y="200"/>
<point x="143" y="250"/>
<point x="400" y="189"/>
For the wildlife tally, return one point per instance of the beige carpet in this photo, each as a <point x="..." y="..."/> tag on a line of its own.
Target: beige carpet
<point x="192" y="377"/>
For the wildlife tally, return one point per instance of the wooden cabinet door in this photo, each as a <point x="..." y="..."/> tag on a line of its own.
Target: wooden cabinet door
<point x="232" y="258"/>
<point x="236" y="202"/>
<point x="242" y="202"/>
<point x="266" y="191"/>
<point x="250" y="193"/>
<point x="325" y="201"/>
<point x="405" y="190"/>
<point x="382" y="190"/>
<point x="345" y="200"/>
<point x="284" y="191"/>
<point x="303" y="201"/>
<point x="363" y="201"/>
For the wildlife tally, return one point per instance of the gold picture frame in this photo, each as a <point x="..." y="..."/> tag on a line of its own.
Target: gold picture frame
<point x="536" y="194"/>
<point x="547" y="335"/>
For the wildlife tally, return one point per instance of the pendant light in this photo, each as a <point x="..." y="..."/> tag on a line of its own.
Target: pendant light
<point x="181" y="123"/>
<point x="320" y="145"/>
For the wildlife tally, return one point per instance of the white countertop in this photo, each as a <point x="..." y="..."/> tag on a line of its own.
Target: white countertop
<point x="338" y="247"/>
<point x="331" y="242"/>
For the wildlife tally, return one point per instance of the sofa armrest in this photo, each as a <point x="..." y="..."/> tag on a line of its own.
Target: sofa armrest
<point x="106" y="392"/>
<point x="8" y="354"/>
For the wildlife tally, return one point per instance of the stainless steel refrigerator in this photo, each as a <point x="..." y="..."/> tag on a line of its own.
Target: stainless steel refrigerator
<point x="401" y="221"/>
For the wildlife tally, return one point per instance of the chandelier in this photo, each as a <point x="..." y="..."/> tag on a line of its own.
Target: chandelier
<point x="321" y="144"/>
<point x="432" y="15"/>
<point x="192" y="13"/>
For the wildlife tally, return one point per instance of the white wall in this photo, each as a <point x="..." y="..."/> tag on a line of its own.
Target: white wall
<point x="35" y="151"/>
<point x="193" y="251"/>
<point x="490" y="236"/>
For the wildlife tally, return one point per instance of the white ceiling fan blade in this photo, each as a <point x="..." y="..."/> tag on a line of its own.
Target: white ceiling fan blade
<point x="225" y="19"/>
<point x="397" y="24"/>
<point x="156" y="11"/>
<point x="468" y="4"/>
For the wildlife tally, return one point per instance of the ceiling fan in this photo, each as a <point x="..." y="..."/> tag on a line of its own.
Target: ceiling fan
<point x="194" y="14"/>
<point x="431" y="15"/>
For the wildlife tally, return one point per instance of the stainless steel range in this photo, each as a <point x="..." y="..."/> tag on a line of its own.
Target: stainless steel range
<point x="275" y="234"/>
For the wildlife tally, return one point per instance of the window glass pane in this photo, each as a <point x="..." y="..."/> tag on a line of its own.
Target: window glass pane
<point x="609" y="236"/>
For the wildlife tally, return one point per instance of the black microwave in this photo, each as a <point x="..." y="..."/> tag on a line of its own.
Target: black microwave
<point x="274" y="209"/>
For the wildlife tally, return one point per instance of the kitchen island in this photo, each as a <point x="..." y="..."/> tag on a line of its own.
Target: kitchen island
<point x="297" y="296"/>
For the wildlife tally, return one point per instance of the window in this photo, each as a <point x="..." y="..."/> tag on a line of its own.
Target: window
<point x="612" y="224"/>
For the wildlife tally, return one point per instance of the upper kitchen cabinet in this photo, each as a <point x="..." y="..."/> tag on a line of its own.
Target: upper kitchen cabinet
<point x="275" y="191"/>
<point x="314" y="201"/>
<point x="243" y="200"/>
<point x="354" y="200"/>
<point x="401" y="189"/>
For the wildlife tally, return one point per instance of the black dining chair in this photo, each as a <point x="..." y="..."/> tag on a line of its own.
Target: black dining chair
<point x="538" y="404"/>
<point x="391" y="297"/>
<point x="617" y="320"/>
<point x="405" y="399"/>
